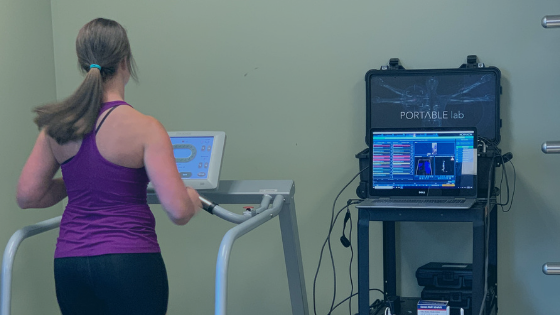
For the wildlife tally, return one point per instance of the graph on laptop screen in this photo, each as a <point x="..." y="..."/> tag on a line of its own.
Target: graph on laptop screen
<point x="413" y="159"/>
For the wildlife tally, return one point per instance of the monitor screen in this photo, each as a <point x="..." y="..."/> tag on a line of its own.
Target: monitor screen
<point x="192" y="155"/>
<point x="198" y="156"/>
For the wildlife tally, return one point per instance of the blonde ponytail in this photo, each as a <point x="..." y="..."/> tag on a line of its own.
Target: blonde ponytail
<point x="101" y="46"/>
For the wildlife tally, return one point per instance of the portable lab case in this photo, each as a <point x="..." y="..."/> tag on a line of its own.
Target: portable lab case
<point x="468" y="96"/>
<point x="463" y="97"/>
<point x="445" y="275"/>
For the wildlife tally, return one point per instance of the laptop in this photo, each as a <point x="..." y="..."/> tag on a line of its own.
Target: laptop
<point x="422" y="168"/>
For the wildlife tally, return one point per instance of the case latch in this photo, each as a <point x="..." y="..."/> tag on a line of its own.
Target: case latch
<point x="472" y="62"/>
<point x="394" y="64"/>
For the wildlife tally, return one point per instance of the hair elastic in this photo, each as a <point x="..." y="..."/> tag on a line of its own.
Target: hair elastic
<point x="93" y="65"/>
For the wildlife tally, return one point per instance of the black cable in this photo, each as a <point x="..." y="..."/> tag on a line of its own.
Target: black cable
<point x="504" y="173"/>
<point x="494" y="145"/>
<point x="332" y="263"/>
<point x="487" y="222"/>
<point x="486" y="255"/>
<point x="332" y="226"/>
<point x="346" y="299"/>
<point x="328" y="241"/>
<point x="513" y="191"/>
<point x="497" y="153"/>
<point x="321" y="254"/>
<point x="321" y="258"/>
<point x="349" y="203"/>
<point x="501" y="183"/>
<point x="350" y="268"/>
<point x="487" y="219"/>
<point x="487" y="235"/>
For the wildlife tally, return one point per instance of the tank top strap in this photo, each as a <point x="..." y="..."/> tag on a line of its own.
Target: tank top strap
<point x="111" y="106"/>
<point x="107" y="105"/>
<point x="103" y="120"/>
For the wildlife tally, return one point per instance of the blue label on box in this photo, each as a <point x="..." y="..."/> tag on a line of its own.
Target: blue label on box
<point x="432" y="305"/>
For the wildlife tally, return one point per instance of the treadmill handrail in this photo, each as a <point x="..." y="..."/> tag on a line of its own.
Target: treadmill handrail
<point x="10" y="252"/>
<point x="227" y="244"/>
<point x="240" y="218"/>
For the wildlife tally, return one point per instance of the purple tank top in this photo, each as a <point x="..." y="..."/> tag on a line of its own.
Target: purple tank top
<point x="107" y="211"/>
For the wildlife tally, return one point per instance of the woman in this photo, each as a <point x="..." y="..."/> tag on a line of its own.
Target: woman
<point x="107" y="258"/>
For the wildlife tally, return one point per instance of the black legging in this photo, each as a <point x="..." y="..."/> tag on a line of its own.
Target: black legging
<point x="112" y="284"/>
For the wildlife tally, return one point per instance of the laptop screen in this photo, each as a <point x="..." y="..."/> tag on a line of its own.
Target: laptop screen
<point x="423" y="162"/>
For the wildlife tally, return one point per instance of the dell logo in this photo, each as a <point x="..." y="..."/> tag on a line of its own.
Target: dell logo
<point x="422" y="192"/>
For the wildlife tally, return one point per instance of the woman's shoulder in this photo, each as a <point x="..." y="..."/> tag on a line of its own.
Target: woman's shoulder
<point x="133" y="119"/>
<point x="132" y="115"/>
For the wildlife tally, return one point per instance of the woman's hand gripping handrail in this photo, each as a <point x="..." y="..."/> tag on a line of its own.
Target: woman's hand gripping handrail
<point x="10" y="253"/>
